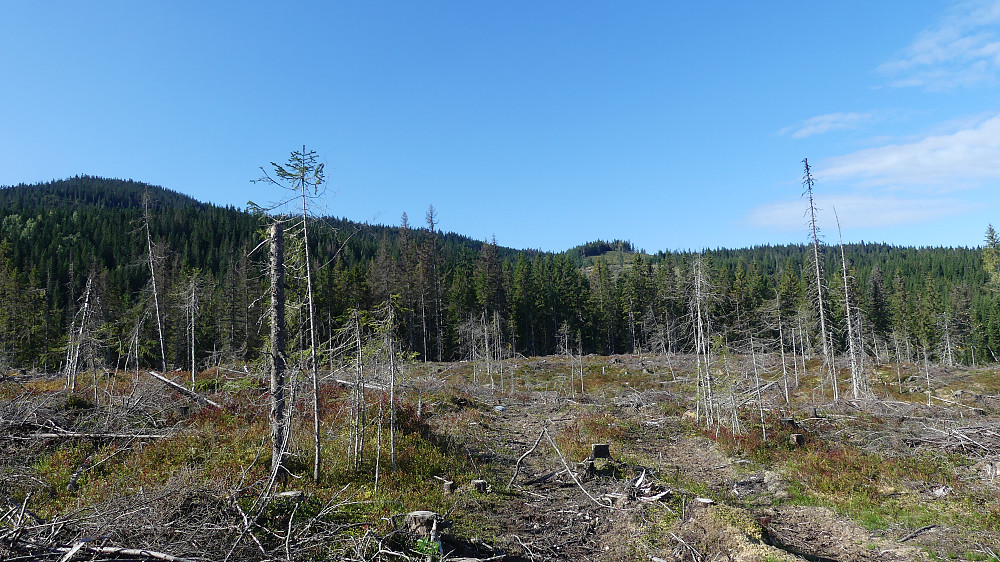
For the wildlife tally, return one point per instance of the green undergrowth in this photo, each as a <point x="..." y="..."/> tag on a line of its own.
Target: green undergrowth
<point x="879" y="490"/>
<point x="228" y="450"/>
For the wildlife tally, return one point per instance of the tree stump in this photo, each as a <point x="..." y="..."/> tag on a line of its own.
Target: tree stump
<point x="422" y="524"/>
<point x="600" y="451"/>
<point x="796" y="439"/>
<point x="789" y="422"/>
<point x="479" y="486"/>
<point x="449" y="487"/>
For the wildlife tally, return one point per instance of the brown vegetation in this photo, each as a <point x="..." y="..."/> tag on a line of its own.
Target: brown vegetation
<point x="126" y="468"/>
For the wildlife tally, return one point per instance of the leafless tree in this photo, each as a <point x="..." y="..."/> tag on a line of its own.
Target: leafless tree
<point x="808" y="183"/>
<point x="279" y="422"/>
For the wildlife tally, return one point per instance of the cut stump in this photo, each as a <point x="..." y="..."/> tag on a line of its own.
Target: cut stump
<point x="600" y="451"/>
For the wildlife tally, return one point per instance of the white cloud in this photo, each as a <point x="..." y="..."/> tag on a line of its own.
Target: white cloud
<point x="960" y="159"/>
<point x="960" y="51"/>
<point x="856" y="212"/>
<point x="829" y="122"/>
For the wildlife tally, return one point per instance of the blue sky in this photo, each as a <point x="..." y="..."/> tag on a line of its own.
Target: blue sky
<point x="676" y="125"/>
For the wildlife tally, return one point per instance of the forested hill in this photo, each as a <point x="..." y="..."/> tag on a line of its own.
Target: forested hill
<point x="89" y="191"/>
<point x="455" y="297"/>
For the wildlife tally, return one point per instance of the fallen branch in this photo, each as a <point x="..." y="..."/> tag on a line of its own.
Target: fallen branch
<point x="367" y="386"/>
<point x="571" y="473"/>
<point x="917" y="532"/>
<point x="116" y="551"/>
<point x="517" y="466"/>
<point x="186" y="392"/>
<point x="77" y="435"/>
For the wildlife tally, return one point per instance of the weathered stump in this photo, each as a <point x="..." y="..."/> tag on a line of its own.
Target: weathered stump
<point x="423" y="524"/>
<point x="449" y="487"/>
<point x="600" y="451"/>
<point x="479" y="486"/>
<point x="796" y="439"/>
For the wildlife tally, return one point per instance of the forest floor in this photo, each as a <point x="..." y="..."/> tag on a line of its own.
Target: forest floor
<point x="126" y="464"/>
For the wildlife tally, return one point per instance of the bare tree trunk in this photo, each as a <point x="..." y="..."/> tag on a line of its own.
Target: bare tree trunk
<point x="702" y="346"/>
<point x="392" y="385"/>
<point x="808" y="181"/>
<point x="191" y="310"/>
<point x="784" y="365"/>
<point x="152" y="277"/>
<point x="279" y="423"/>
<point x="947" y="341"/>
<point x="76" y="337"/>
<point x="927" y="374"/>
<point x="756" y="382"/>
<point x="314" y="364"/>
<point x="852" y="352"/>
<point x="359" y="406"/>
<point x="899" y="375"/>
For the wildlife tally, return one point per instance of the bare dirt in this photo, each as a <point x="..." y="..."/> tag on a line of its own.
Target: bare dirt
<point x="651" y="502"/>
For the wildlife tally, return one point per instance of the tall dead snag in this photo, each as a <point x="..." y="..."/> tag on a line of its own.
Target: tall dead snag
<point x="152" y="278"/>
<point x="808" y="182"/>
<point x="302" y="174"/>
<point x="700" y="293"/>
<point x="77" y="335"/>
<point x="279" y="425"/>
<point x="857" y="382"/>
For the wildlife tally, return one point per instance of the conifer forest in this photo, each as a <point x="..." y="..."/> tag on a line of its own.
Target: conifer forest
<point x="449" y="291"/>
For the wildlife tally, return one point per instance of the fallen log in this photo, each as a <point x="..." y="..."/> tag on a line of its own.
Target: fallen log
<point x="367" y="386"/>
<point x="72" y="551"/>
<point x="186" y="392"/>
<point x="78" y="435"/>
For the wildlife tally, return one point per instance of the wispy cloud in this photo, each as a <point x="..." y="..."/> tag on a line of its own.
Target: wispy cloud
<point x="857" y="211"/>
<point x="962" y="50"/>
<point x="964" y="158"/>
<point x="829" y="122"/>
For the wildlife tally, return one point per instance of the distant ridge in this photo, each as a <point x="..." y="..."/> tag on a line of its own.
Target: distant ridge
<point x="91" y="191"/>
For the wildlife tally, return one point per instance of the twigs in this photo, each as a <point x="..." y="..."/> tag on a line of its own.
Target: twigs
<point x="984" y="440"/>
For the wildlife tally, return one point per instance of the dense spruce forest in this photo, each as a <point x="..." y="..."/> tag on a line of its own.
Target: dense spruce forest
<point x="75" y="266"/>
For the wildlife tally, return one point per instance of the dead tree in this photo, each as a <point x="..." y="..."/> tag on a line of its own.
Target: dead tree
<point x="152" y="277"/>
<point x="302" y="174"/>
<point x="77" y="334"/>
<point x="853" y="350"/>
<point x="279" y="423"/>
<point x="701" y="293"/>
<point x="808" y="182"/>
